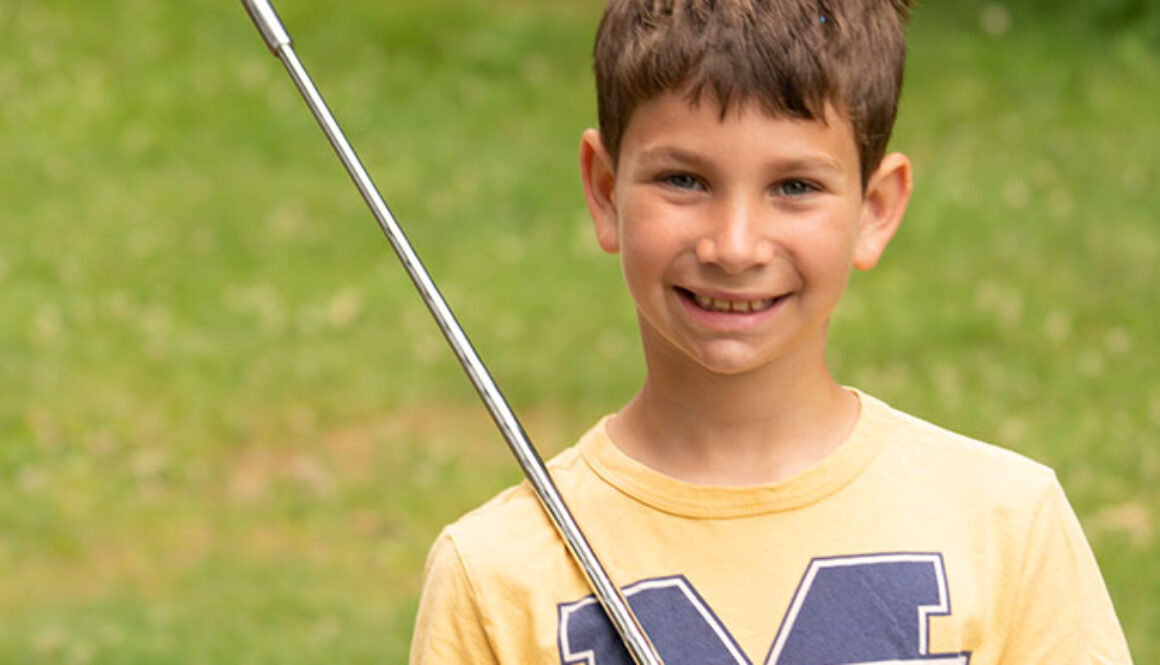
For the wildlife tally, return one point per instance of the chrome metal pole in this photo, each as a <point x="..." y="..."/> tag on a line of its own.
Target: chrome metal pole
<point x="610" y="597"/>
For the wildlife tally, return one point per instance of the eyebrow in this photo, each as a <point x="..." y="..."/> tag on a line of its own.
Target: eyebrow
<point x="664" y="153"/>
<point x="809" y="162"/>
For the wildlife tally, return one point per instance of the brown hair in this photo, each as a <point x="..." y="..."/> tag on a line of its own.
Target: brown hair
<point x="791" y="56"/>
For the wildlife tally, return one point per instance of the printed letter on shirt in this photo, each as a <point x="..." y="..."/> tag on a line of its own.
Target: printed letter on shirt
<point x="852" y="610"/>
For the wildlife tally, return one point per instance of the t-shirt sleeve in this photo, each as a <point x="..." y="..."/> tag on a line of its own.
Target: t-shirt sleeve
<point x="448" y="626"/>
<point x="1062" y="612"/>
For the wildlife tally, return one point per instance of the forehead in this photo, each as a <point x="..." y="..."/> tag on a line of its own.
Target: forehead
<point x="742" y="132"/>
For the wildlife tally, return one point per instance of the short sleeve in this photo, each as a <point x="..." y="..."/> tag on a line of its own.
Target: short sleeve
<point x="1063" y="613"/>
<point x="448" y="626"/>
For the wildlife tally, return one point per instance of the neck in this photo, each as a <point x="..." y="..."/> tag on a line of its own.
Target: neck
<point x="750" y="428"/>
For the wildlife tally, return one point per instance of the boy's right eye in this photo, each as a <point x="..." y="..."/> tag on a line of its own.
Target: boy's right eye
<point x="681" y="181"/>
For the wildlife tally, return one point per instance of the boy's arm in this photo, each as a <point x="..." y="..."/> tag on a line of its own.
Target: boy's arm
<point x="1062" y="612"/>
<point x="448" y="627"/>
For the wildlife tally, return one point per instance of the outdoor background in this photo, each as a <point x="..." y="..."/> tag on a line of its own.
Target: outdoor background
<point x="229" y="430"/>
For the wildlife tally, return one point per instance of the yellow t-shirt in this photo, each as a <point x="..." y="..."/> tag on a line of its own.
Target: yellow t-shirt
<point x="907" y="544"/>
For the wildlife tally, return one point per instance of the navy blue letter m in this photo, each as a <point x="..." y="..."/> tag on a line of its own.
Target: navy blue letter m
<point x="852" y="610"/>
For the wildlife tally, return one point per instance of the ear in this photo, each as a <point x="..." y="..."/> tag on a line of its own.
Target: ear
<point x="885" y="201"/>
<point x="598" y="174"/>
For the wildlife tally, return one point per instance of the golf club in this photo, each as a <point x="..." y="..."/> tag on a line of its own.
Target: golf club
<point x="635" y="640"/>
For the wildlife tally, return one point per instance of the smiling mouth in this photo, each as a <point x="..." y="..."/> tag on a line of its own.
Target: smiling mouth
<point x="729" y="306"/>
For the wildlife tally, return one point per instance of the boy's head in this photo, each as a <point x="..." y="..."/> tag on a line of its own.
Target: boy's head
<point x="791" y="57"/>
<point x="740" y="170"/>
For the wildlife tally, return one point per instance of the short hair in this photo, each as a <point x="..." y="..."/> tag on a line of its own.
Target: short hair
<point x="793" y="57"/>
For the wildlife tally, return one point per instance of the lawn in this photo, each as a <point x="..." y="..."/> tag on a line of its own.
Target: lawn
<point x="229" y="430"/>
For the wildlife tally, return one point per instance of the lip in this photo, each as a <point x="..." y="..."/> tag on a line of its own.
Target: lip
<point x="745" y="310"/>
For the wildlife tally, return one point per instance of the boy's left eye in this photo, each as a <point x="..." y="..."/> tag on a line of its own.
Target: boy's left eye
<point x="794" y="188"/>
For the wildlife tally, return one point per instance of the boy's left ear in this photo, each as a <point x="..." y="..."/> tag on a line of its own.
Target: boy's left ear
<point x="887" y="195"/>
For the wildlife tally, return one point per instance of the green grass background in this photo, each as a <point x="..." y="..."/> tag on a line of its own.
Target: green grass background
<point x="228" y="429"/>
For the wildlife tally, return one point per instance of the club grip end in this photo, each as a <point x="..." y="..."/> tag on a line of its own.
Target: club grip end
<point x="269" y="25"/>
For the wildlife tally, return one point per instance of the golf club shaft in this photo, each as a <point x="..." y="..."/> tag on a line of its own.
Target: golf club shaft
<point x="621" y="615"/>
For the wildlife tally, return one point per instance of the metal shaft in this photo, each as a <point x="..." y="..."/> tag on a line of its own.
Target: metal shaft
<point x="621" y="615"/>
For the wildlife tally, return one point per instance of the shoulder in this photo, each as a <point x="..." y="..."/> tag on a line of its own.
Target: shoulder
<point x="513" y="509"/>
<point x="913" y="435"/>
<point x="952" y="462"/>
<point x="496" y="576"/>
<point x="510" y="534"/>
<point x="1002" y="517"/>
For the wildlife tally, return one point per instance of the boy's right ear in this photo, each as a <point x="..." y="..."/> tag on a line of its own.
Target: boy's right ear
<point x="598" y="174"/>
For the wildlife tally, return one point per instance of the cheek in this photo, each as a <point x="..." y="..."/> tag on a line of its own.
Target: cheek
<point x="641" y="260"/>
<point x="647" y="233"/>
<point x="649" y="251"/>
<point x="824" y="247"/>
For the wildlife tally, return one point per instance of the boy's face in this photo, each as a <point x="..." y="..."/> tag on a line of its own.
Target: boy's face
<point x="737" y="236"/>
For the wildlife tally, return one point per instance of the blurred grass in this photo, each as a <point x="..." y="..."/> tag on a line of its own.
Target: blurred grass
<point x="228" y="430"/>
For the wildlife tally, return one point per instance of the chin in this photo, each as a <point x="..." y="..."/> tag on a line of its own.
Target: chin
<point x="731" y="361"/>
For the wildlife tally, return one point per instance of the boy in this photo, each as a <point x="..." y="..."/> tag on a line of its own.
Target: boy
<point x="754" y="509"/>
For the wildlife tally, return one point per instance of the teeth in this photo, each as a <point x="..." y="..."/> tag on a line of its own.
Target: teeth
<point x="740" y="306"/>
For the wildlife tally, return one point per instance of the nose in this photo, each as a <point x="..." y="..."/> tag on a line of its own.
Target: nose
<point x="735" y="238"/>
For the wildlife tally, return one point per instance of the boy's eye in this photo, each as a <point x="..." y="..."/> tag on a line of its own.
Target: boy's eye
<point x="681" y="181"/>
<point x="795" y="188"/>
